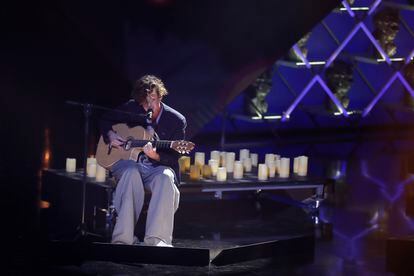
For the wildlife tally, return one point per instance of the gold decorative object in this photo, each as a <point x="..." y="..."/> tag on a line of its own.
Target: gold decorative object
<point x="302" y="47"/>
<point x="386" y="23"/>
<point x="339" y="78"/>
<point x="255" y="94"/>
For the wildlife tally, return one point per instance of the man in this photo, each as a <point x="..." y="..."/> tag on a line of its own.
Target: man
<point x="156" y="171"/>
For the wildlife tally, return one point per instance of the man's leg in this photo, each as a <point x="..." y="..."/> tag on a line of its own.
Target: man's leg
<point x="128" y="200"/>
<point x="163" y="204"/>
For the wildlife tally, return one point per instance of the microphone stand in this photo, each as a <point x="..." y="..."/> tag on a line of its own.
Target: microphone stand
<point x="87" y="110"/>
<point x="82" y="228"/>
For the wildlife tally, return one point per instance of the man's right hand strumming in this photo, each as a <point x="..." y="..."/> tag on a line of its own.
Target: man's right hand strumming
<point x="115" y="140"/>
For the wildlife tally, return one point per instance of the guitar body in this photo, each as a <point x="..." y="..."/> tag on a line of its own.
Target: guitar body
<point x="107" y="157"/>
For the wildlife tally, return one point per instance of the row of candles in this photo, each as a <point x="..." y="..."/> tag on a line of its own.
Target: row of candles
<point x="93" y="169"/>
<point x="223" y="163"/>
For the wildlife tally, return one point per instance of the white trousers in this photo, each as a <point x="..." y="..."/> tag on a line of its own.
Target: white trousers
<point x="133" y="178"/>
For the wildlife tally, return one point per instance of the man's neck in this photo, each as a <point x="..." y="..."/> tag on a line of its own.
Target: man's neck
<point x="156" y="112"/>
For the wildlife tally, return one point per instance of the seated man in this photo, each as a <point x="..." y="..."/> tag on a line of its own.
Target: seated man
<point x="155" y="170"/>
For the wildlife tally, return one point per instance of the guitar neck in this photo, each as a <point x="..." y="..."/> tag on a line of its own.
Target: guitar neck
<point x="159" y="144"/>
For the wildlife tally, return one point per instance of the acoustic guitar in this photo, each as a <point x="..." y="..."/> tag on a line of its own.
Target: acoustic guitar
<point x="136" y="138"/>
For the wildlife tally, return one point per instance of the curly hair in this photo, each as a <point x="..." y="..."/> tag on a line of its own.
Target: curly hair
<point x="144" y="85"/>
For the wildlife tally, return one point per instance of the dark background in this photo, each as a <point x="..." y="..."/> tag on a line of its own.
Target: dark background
<point x="53" y="51"/>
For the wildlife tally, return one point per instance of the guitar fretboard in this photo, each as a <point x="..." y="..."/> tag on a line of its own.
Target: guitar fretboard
<point x="159" y="144"/>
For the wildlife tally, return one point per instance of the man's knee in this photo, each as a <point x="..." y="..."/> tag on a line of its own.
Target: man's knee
<point x="169" y="175"/>
<point x="166" y="181"/>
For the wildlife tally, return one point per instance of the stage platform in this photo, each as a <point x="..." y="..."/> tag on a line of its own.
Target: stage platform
<point x="294" y="250"/>
<point x="216" y="223"/>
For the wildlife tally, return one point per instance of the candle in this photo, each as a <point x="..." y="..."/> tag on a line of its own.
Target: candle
<point x="187" y="163"/>
<point x="70" y="164"/>
<point x="207" y="171"/>
<point x="255" y="159"/>
<point x="222" y="162"/>
<point x="238" y="170"/>
<point x="271" y="165"/>
<point x="284" y="167"/>
<point x="269" y="157"/>
<point x="215" y="154"/>
<point x="214" y="164"/>
<point x="100" y="174"/>
<point x="199" y="159"/>
<point x="91" y="170"/>
<point x="262" y="172"/>
<point x="230" y="158"/>
<point x="184" y="163"/>
<point x="296" y="164"/>
<point x="243" y="154"/>
<point x="277" y="165"/>
<point x="221" y="174"/>
<point x="303" y="166"/>
<point x="91" y="167"/>
<point x="195" y="172"/>
<point x="247" y="164"/>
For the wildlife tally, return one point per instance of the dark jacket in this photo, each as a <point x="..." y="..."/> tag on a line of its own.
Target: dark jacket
<point x="171" y="126"/>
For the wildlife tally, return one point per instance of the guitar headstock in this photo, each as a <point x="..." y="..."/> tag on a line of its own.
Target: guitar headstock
<point x="183" y="147"/>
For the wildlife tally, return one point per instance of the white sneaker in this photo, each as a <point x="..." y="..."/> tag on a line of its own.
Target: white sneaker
<point x="153" y="241"/>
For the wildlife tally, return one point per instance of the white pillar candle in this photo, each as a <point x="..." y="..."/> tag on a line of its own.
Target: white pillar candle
<point x="276" y="156"/>
<point x="255" y="159"/>
<point x="70" y="164"/>
<point x="243" y="154"/>
<point x="262" y="172"/>
<point x="215" y="154"/>
<point x="238" y="170"/>
<point x="296" y="164"/>
<point x="247" y="164"/>
<point x="91" y="170"/>
<point x="214" y="164"/>
<point x="230" y="158"/>
<point x="271" y="165"/>
<point x="199" y="159"/>
<point x="269" y="157"/>
<point x="91" y="167"/>
<point x="222" y="162"/>
<point x="221" y="174"/>
<point x="100" y="174"/>
<point x="284" y="167"/>
<point x="303" y="166"/>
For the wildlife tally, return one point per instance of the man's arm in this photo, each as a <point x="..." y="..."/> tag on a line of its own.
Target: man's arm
<point x="170" y="156"/>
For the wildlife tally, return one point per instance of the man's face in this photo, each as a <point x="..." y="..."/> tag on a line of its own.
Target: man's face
<point x="153" y="99"/>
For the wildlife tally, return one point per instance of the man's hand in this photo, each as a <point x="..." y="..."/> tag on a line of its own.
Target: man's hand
<point x="115" y="140"/>
<point x="151" y="152"/>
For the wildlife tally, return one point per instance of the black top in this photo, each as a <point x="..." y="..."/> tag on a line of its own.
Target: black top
<point x="171" y="126"/>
